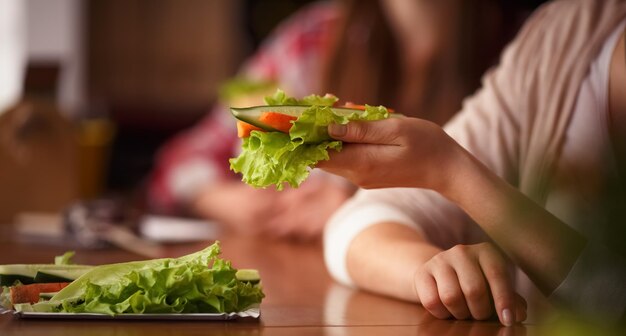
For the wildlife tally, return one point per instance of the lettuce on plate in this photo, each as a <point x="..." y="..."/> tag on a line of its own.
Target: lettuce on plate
<point x="276" y="158"/>
<point x="197" y="283"/>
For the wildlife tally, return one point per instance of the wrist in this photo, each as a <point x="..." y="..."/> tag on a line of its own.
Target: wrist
<point x="457" y="170"/>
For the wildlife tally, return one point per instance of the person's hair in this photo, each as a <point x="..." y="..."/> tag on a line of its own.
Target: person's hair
<point x="363" y="65"/>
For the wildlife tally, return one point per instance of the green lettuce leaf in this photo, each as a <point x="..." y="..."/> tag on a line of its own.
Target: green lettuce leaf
<point x="196" y="283"/>
<point x="65" y="259"/>
<point x="5" y="298"/>
<point x="281" y="98"/>
<point x="274" y="158"/>
<point x="241" y="86"/>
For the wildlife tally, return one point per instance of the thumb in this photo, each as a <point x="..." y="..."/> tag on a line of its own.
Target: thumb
<point x="382" y="132"/>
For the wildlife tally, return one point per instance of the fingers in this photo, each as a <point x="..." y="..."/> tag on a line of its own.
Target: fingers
<point x="462" y="281"/>
<point x="450" y="292"/>
<point x="429" y="297"/>
<point x="504" y="297"/>
<point x="381" y="132"/>
<point x="474" y="287"/>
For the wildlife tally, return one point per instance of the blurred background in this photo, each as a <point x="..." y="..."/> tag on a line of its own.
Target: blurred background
<point x="119" y="77"/>
<point x="91" y="89"/>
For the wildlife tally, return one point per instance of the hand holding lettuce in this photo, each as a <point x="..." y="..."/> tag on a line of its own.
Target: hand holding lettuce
<point x="275" y="157"/>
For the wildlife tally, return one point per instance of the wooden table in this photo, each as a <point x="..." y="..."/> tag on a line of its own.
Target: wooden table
<point x="301" y="298"/>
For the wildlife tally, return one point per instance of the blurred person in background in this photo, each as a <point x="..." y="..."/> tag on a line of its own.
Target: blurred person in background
<point x="418" y="57"/>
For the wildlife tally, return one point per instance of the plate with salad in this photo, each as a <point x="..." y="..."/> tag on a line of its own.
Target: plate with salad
<point x="198" y="286"/>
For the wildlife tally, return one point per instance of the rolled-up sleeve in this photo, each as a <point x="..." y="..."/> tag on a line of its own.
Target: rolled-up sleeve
<point x="419" y="209"/>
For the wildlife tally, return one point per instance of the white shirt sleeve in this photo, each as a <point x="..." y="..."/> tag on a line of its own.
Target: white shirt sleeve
<point x="419" y="209"/>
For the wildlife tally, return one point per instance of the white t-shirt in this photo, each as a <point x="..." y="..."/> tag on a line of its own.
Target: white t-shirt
<point x="576" y="193"/>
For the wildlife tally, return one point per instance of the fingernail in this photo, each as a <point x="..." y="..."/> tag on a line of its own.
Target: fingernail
<point x="337" y="130"/>
<point x="507" y="317"/>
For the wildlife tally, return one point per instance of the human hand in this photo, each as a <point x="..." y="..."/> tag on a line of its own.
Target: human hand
<point x="395" y="152"/>
<point x="237" y="207"/>
<point x="469" y="281"/>
<point x="292" y="213"/>
<point x="303" y="212"/>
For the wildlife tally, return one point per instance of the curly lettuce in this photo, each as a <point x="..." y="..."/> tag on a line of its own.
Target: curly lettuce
<point x="197" y="283"/>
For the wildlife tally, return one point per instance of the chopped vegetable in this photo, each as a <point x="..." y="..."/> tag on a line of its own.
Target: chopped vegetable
<point x="280" y="122"/>
<point x="30" y="293"/>
<point x="352" y="105"/>
<point x="244" y="129"/>
<point x="65" y="259"/>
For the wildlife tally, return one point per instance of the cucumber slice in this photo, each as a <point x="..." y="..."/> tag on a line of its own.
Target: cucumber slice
<point x="47" y="296"/>
<point x="251" y="115"/>
<point x="60" y="275"/>
<point x="26" y="273"/>
<point x="10" y="279"/>
<point x="248" y="275"/>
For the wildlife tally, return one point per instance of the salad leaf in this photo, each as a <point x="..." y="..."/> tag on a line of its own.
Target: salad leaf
<point x="241" y="86"/>
<point x="5" y="298"/>
<point x="275" y="158"/>
<point x="281" y="98"/>
<point x="65" y="259"/>
<point x="311" y="126"/>
<point x="197" y="283"/>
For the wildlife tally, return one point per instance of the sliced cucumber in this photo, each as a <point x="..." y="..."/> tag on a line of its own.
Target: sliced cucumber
<point x="252" y="115"/>
<point x="60" y="275"/>
<point x="10" y="279"/>
<point x="26" y="274"/>
<point x="248" y="275"/>
<point x="47" y="296"/>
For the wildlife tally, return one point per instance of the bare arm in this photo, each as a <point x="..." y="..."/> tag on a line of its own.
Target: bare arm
<point x="401" y="251"/>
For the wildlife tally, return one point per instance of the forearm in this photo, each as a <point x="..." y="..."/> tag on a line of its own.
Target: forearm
<point x="383" y="259"/>
<point x="543" y="246"/>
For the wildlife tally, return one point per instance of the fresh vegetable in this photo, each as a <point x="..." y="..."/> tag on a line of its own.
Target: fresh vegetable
<point x="30" y="293"/>
<point x="275" y="158"/>
<point x="244" y="129"/>
<point x="238" y="87"/>
<point x="65" y="259"/>
<point x="354" y="106"/>
<point x="248" y="275"/>
<point x="27" y="274"/>
<point x="60" y="274"/>
<point x="197" y="283"/>
<point x="281" y="122"/>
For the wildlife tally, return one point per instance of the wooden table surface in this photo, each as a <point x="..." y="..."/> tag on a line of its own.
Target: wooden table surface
<point x="301" y="298"/>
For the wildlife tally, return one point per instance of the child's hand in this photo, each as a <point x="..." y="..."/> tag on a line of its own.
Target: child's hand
<point x="467" y="281"/>
<point x="395" y="152"/>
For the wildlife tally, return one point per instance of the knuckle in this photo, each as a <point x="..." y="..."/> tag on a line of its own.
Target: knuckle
<point x="431" y="303"/>
<point x="475" y="292"/>
<point x="459" y="249"/>
<point x="356" y="131"/>
<point x="451" y="298"/>
<point x="497" y="274"/>
<point x="396" y="126"/>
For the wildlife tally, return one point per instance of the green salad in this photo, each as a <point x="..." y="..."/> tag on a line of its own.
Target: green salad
<point x="201" y="282"/>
